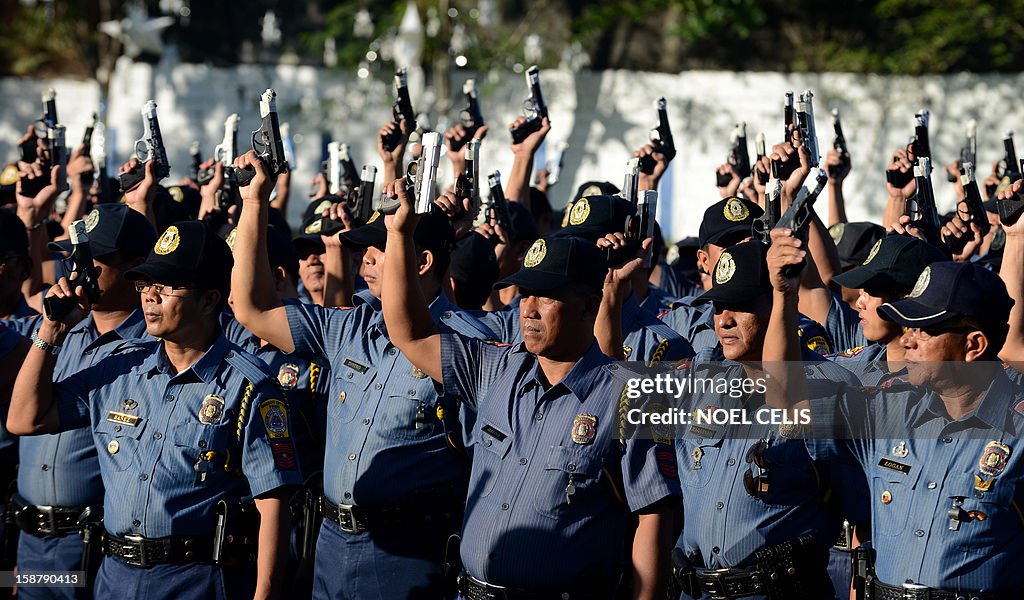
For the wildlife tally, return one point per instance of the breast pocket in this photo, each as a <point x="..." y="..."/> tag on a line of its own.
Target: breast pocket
<point x="410" y="414"/>
<point x="491" y="447"/>
<point x="118" y="443"/>
<point x="696" y="467"/>
<point x="571" y="480"/>
<point x="351" y="387"/>
<point x="988" y="522"/>
<point x="207" y="449"/>
<point x="893" y="501"/>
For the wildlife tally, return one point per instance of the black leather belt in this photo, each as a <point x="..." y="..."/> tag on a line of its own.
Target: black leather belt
<point x="730" y="583"/>
<point x="473" y="589"/>
<point x="41" y="521"/>
<point x="881" y="591"/>
<point x="356" y="519"/>
<point x="138" y="551"/>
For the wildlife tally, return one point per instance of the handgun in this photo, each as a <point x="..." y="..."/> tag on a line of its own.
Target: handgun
<point x="805" y="123"/>
<point x="800" y="213"/>
<point x="57" y="308"/>
<point x="534" y="108"/>
<point x="497" y="208"/>
<point x="638" y="227"/>
<point x="99" y="157"/>
<point x="467" y="183"/>
<point x="921" y="207"/>
<point x="969" y="151"/>
<point x="150" y="147"/>
<point x="88" y="176"/>
<point x="918" y="147"/>
<point x="759" y="149"/>
<point x="420" y="185"/>
<point x="631" y="183"/>
<point x="555" y="165"/>
<point x="266" y="142"/>
<point x="661" y="138"/>
<point x="401" y="109"/>
<point x="361" y="206"/>
<point x="762" y="226"/>
<point x="970" y="205"/>
<point x="29" y="150"/>
<point x="839" y="141"/>
<point x="472" y="118"/>
<point x="56" y="154"/>
<point x="739" y="156"/>
<point x="788" y="117"/>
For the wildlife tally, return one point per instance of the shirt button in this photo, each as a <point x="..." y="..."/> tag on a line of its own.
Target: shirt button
<point x="230" y="354"/>
<point x="504" y="506"/>
<point x="720" y="505"/>
<point x="136" y="523"/>
<point x="157" y="435"/>
<point x="522" y="461"/>
<point x="170" y="397"/>
<point x="352" y="456"/>
<point x="488" y="443"/>
<point x="539" y="417"/>
<point x="919" y="533"/>
<point x="446" y="315"/>
<point x="947" y="440"/>
<point x="731" y="462"/>
<point x="932" y="485"/>
<point x="348" y="495"/>
<point x="716" y="549"/>
<point x="117" y="428"/>
<point x="349" y="376"/>
<point x="377" y="386"/>
<point x="88" y="352"/>
<point x="143" y="477"/>
<point x="202" y="443"/>
<point x="46" y="467"/>
<point x="366" y="421"/>
<point x="571" y="467"/>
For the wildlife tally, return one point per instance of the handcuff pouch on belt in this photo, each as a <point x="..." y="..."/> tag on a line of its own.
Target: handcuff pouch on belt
<point x="90" y="527"/>
<point x="237" y="533"/>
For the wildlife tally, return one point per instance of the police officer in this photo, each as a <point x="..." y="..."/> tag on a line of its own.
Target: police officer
<point x="14" y="252"/>
<point x="59" y="474"/>
<point x="889" y="273"/>
<point x="394" y="483"/>
<point x="854" y="242"/>
<point x="552" y="484"/>
<point x="753" y="500"/>
<point x="13" y="348"/>
<point x="940" y="455"/>
<point x="185" y="428"/>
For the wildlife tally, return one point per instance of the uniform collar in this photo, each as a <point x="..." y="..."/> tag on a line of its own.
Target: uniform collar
<point x="440" y="307"/>
<point x="582" y="378"/>
<point x="366" y="297"/>
<point x="991" y="411"/>
<point x="132" y="327"/>
<point x="205" y="368"/>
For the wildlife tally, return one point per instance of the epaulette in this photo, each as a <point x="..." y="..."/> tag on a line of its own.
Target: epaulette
<point x="662" y="315"/>
<point x="893" y="381"/>
<point x="251" y="368"/>
<point x="128" y="346"/>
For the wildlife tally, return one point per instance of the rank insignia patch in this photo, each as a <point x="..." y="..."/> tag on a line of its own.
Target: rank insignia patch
<point x="900" y="450"/>
<point x="584" y="428"/>
<point x="212" y="410"/>
<point x="284" y="455"/>
<point x="288" y="376"/>
<point x="418" y="374"/>
<point x="275" y="418"/>
<point x="129" y="404"/>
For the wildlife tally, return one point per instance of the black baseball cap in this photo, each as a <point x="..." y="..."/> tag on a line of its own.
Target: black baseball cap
<point x="473" y="262"/>
<point x="521" y="222"/>
<point x="433" y="232"/>
<point x="594" y="217"/>
<point x="588" y="188"/>
<point x="115" y="228"/>
<point x="187" y="254"/>
<point x="13" y="235"/>
<point x="726" y="217"/>
<point x="948" y="290"/>
<point x="893" y="264"/>
<point x="308" y="241"/>
<point x="740" y="275"/>
<point x="554" y="261"/>
<point x="854" y="241"/>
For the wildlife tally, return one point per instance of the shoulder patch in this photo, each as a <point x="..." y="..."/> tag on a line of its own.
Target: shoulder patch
<point x="1019" y="408"/>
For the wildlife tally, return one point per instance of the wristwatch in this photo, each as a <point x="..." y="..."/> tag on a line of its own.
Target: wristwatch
<point x="45" y="346"/>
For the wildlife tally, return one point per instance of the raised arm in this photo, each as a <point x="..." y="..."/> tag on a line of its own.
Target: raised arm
<point x="406" y="312"/>
<point x="517" y="186"/>
<point x="1012" y="273"/>
<point x="781" y="355"/>
<point x="254" y="299"/>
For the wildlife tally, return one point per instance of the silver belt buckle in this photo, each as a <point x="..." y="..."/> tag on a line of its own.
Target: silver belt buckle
<point x="139" y="544"/>
<point x="911" y="591"/>
<point x="345" y="511"/>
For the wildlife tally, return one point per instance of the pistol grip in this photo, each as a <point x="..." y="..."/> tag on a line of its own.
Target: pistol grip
<point x="132" y="178"/>
<point x="721" y="179"/>
<point x="647" y="165"/>
<point x="390" y="140"/>
<point x="58" y="308"/>
<point x="898" y="178"/>
<point x="1010" y="209"/>
<point x="519" y="134"/>
<point x="245" y="175"/>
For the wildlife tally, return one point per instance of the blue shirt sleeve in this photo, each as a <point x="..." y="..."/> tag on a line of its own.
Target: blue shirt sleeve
<point x="649" y="473"/>
<point x="843" y="324"/>
<point x="318" y="330"/>
<point x="468" y="366"/>
<point x="269" y="456"/>
<point x="8" y="340"/>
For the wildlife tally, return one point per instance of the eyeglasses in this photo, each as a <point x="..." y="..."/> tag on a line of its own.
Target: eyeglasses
<point x="162" y="290"/>
<point x="937" y="330"/>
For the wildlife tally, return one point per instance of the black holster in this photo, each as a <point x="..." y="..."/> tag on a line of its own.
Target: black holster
<point x="308" y="513"/>
<point x="796" y="568"/>
<point x="90" y="527"/>
<point x="863" y="558"/>
<point x="684" y="577"/>
<point x="237" y="533"/>
<point x="451" y="568"/>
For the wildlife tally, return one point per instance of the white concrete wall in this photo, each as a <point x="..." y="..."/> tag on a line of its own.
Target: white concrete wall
<point x="603" y="116"/>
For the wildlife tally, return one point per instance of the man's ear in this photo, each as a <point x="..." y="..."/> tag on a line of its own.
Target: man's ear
<point x="703" y="258"/>
<point x="425" y="261"/>
<point x="209" y="303"/>
<point x="975" y="346"/>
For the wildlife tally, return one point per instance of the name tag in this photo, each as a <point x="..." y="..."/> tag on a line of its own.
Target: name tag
<point x="887" y="463"/>
<point x="356" y="366"/>
<point x="123" y="419"/>
<point x="494" y="433"/>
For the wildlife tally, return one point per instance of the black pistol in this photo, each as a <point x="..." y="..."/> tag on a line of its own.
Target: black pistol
<point x="401" y="109"/>
<point x="150" y="147"/>
<point x="661" y="138"/>
<point x="85" y="275"/>
<point x="471" y="117"/>
<point x="534" y="108"/>
<point x="739" y="156"/>
<point x="972" y="206"/>
<point x="266" y="142"/>
<point x="800" y="213"/>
